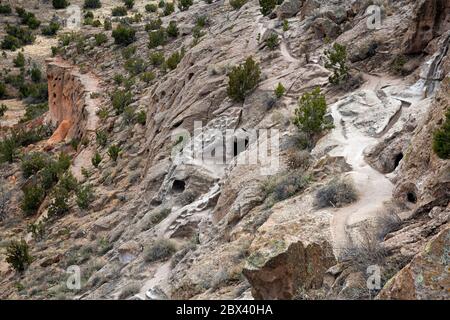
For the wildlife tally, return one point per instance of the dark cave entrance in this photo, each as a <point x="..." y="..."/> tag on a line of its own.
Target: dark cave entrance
<point x="397" y="159"/>
<point x="411" y="197"/>
<point x="178" y="186"/>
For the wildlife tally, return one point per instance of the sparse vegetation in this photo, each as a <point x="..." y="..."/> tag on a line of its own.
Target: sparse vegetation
<point x="267" y="6"/>
<point x="243" y="79"/>
<point x="441" y="139"/>
<point x="336" y="61"/>
<point x="96" y="159"/>
<point x="119" y="11"/>
<point x="172" y="29"/>
<point x="284" y="186"/>
<point x="157" y="38"/>
<point x="237" y="4"/>
<point x="151" y="7"/>
<point x="59" y="204"/>
<point x="120" y="100"/>
<point x="279" y="90"/>
<point x="3" y="109"/>
<point x="114" y="151"/>
<point x="33" y="163"/>
<point x="174" y="59"/>
<point x="100" y="38"/>
<point x="310" y="114"/>
<point x="60" y="4"/>
<point x="124" y="35"/>
<point x="5" y="9"/>
<point x="169" y="8"/>
<point x="336" y="193"/>
<point x="161" y="249"/>
<point x="85" y="196"/>
<point x="19" y="60"/>
<point x="32" y="199"/>
<point x="92" y="4"/>
<point x="272" y="41"/>
<point x="185" y="4"/>
<point x="18" y="256"/>
<point x="51" y="29"/>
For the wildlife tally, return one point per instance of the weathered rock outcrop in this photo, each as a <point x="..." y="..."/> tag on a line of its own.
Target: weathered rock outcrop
<point x="426" y="276"/>
<point x="432" y="17"/>
<point x="70" y="103"/>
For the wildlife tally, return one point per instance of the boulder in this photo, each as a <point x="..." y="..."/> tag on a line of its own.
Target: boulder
<point x="426" y="276"/>
<point x="288" y="9"/>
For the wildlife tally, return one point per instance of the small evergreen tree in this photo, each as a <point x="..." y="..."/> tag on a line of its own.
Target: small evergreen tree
<point x="267" y="6"/>
<point x="243" y="79"/>
<point x="279" y="90"/>
<point x="336" y="61"/>
<point x="309" y="116"/>
<point x="441" y="139"/>
<point x="17" y="255"/>
<point x="60" y="4"/>
<point x="124" y="35"/>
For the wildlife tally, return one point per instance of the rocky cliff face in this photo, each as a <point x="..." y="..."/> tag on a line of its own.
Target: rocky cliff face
<point x="239" y="230"/>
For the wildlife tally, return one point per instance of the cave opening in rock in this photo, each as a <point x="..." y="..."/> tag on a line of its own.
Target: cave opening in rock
<point x="236" y="149"/>
<point x="178" y="186"/>
<point x="411" y="197"/>
<point x="397" y="160"/>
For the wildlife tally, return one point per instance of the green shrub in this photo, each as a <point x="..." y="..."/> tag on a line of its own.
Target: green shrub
<point x="283" y="186"/>
<point x="161" y="249"/>
<point x="141" y="117"/>
<point x="29" y="19"/>
<point x="279" y="90"/>
<point x="243" y="79"/>
<point x="3" y="109"/>
<point x="37" y="230"/>
<point x="51" y="29"/>
<point x="174" y="59"/>
<point x="10" y="43"/>
<point x="32" y="111"/>
<point x="148" y="77"/>
<point x="19" y="60"/>
<point x="16" y="37"/>
<point x="8" y="149"/>
<point x="128" y="115"/>
<point x="172" y="29"/>
<point x="60" y="4"/>
<point x="101" y="137"/>
<point x="85" y="196"/>
<point x="124" y="35"/>
<point x="17" y="255"/>
<point x="135" y="66"/>
<point x="157" y="38"/>
<point x="336" y="61"/>
<point x="36" y="74"/>
<point x="68" y="182"/>
<point x="5" y="9"/>
<point x="92" y="4"/>
<point x="3" y="88"/>
<point x="237" y="4"/>
<point x="96" y="159"/>
<point x="285" y="25"/>
<point x="202" y="21"/>
<point x="107" y="25"/>
<point x="156" y="58"/>
<point x="113" y="152"/>
<point x="100" y="38"/>
<point x="127" y="53"/>
<point x="32" y="199"/>
<point x="310" y="113"/>
<point x="102" y="113"/>
<point x="129" y="3"/>
<point x="120" y="100"/>
<point x="59" y="204"/>
<point x="272" y="41"/>
<point x="169" y="8"/>
<point x="119" y="11"/>
<point x="441" y="139"/>
<point x="337" y="193"/>
<point x="151" y="7"/>
<point x="185" y="4"/>
<point x="267" y="6"/>
<point x="161" y="4"/>
<point x="33" y="163"/>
